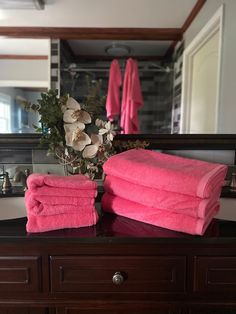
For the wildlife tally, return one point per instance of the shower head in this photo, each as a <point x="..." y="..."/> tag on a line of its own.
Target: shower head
<point x="166" y="69"/>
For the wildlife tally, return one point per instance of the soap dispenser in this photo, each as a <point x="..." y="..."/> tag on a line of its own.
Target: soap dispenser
<point x="6" y="185"/>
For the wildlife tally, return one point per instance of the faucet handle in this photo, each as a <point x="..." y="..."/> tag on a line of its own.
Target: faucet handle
<point x="27" y="172"/>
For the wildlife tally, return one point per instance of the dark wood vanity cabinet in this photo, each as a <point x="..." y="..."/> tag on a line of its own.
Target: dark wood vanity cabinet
<point x="118" y="266"/>
<point x="125" y="309"/>
<point x="23" y="310"/>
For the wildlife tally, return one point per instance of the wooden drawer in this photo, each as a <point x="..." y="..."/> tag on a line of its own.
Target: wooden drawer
<point x="23" y="310"/>
<point x="215" y="274"/>
<point x="20" y="274"/>
<point x="126" y="309"/>
<point x="140" y="273"/>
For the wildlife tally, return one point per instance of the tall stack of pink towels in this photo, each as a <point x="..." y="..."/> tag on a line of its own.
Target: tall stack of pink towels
<point x="57" y="202"/>
<point x="168" y="191"/>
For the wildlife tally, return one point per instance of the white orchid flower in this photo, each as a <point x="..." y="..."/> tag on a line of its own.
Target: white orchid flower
<point x="100" y="123"/>
<point x="109" y="130"/>
<point x="75" y="137"/>
<point x="74" y="113"/>
<point x="90" y="151"/>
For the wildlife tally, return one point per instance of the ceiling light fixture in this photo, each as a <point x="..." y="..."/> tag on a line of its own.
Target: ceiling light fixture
<point x="118" y="50"/>
<point x="22" y="4"/>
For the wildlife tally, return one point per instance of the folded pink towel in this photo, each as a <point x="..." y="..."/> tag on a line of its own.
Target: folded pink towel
<point x="61" y="205"/>
<point x="78" y="181"/>
<point x="151" y="197"/>
<point x="59" y="200"/>
<point x="157" y="217"/>
<point x="167" y="172"/>
<point x="61" y="221"/>
<point x="63" y="192"/>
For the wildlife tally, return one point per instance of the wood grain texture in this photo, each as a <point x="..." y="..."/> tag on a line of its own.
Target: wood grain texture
<point x="196" y="9"/>
<point x="93" y="33"/>
<point x="23" y="57"/>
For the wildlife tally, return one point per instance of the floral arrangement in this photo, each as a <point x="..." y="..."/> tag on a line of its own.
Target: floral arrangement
<point x="76" y="137"/>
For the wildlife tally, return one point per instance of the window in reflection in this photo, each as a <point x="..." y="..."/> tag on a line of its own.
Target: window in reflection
<point x="13" y="116"/>
<point x="5" y="113"/>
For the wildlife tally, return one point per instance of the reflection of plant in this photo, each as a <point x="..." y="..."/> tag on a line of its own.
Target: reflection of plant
<point x="125" y="145"/>
<point x="73" y="134"/>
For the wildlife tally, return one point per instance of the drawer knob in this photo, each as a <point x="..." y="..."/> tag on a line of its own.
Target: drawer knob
<point x="117" y="278"/>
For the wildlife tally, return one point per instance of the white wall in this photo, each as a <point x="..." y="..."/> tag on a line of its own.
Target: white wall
<point x="34" y="72"/>
<point x="101" y="13"/>
<point x="227" y="109"/>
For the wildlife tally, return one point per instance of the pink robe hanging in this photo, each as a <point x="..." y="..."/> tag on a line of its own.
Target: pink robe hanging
<point x="113" y="95"/>
<point x="132" y="99"/>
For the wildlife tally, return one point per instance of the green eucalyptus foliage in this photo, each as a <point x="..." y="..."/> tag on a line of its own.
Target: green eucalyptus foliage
<point x="49" y="108"/>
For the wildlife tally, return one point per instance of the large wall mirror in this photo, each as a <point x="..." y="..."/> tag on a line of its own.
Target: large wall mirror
<point x="87" y="54"/>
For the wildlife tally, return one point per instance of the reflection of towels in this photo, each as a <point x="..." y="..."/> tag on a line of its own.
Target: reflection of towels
<point x="131" y="99"/>
<point x="157" y="217"/>
<point x="167" y="172"/>
<point x="151" y="197"/>
<point x="113" y="95"/>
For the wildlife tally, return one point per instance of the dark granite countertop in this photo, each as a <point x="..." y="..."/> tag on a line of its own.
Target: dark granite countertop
<point x="112" y="228"/>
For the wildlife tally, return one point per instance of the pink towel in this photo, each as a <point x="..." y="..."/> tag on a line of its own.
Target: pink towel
<point x="151" y="197"/>
<point x="167" y="172"/>
<point x="113" y="95"/>
<point x="78" y="181"/>
<point x="157" y="217"/>
<point x="56" y="200"/>
<point x="56" y="205"/>
<point x="49" y="192"/>
<point x="61" y="221"/>
<point x="132" y="99"/>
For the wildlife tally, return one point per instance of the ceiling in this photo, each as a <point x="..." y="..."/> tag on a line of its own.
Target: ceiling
<point x="135" y="48"/>
<point x="118" y="48"/>
<point x="102" y="13"/>
<point x="22" y="4"/>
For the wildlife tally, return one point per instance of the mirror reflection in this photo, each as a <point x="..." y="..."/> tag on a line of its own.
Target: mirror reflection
<point x="178" y="96"/>
<point x="88" y="61"/>
<point x="25" y="73"/>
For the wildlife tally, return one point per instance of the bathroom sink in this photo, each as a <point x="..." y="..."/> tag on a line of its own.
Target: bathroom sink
<point x="12" y="208"/>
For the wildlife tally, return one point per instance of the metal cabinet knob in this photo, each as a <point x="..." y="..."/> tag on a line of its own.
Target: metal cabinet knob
<point x="117" y="278"/>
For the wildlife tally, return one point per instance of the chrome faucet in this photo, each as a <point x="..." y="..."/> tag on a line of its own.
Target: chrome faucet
<point x="6" y="185"/>
<point x="21" y="177"/>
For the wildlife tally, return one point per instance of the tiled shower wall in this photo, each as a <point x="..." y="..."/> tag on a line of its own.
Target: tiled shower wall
<point x="178" y="64"/>
<point x="55" y="64"/>
<point x="157" y="89"/>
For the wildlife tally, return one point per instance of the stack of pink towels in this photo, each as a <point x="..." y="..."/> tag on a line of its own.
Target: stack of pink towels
<point x="164" y="190"/>
<point x="57" y="202"/>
